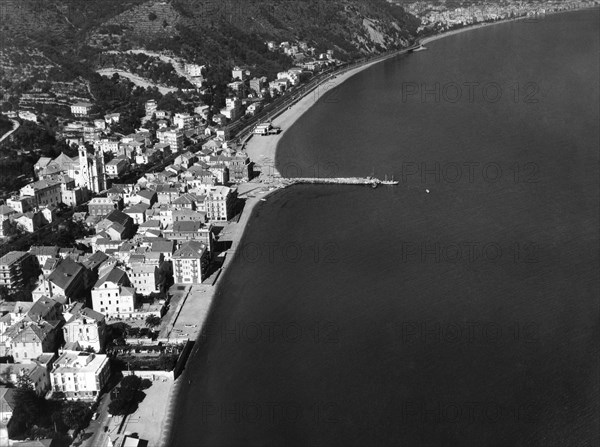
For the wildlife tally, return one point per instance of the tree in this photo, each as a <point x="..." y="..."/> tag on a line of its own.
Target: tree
<point x="24" y="383"/>
<point x="152" y="321"/>
<point x="29" y="407"/>
<point x="74" y="414"/>
<point x="125" y="398"/>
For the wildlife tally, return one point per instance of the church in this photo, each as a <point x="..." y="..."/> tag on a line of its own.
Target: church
<point x="87" y="169"/>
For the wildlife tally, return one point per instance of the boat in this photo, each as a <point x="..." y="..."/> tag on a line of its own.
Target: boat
<point x="264" y="200"/>
<point x="421" y="48"/>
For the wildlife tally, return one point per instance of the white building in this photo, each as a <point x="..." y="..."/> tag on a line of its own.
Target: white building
<point x="85" y="327"/>
<point x="190" y="263"/>
<point x="144" y="278"/>
<point x="183" y="121"/>
<point x="113" y="295"/>
<point x="219" y="203"/>
<point x="80" y="375"/>
<point x="150" y="107"/>
<point x="81" y="108"/>
<point x="171" y="136"/>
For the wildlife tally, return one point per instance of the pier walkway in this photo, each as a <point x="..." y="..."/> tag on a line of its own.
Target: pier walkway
<point x="368" y="181"/>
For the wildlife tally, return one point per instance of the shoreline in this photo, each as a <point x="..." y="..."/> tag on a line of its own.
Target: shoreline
<point x="262" y="151"/>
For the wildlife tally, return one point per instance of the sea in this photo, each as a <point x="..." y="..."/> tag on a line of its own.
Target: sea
<point x="459" y="307"/>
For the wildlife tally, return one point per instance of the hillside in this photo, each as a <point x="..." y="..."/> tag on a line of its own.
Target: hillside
<point x="69" y="36"/>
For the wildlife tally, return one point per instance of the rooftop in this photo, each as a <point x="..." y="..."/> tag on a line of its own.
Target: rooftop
<point x="77" y="361"/>
<point x="115" y="275"/>
<point x="191" y="249"/>
<point x="65" y="273"/>
<point x="12" y="257"/>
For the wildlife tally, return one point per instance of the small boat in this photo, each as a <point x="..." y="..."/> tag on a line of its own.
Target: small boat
<point x="427" y="191"/>
<point x="264" y="200"/>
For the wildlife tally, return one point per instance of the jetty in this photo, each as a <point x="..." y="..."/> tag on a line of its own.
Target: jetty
<point x="367" y="181"/>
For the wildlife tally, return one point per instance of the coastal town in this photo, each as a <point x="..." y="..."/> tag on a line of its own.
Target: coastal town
<point x="128" y="294"/>
<point x="111" y="251"/>
<point x="441" y="15"/>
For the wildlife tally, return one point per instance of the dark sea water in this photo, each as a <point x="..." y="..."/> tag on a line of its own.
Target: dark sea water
<point x="464" y="317"/>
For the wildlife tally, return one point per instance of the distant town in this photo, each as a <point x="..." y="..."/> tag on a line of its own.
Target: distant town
<point x="444" y="15"/>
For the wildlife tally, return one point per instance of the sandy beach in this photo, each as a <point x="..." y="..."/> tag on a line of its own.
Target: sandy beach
<point x="262" y="149"/>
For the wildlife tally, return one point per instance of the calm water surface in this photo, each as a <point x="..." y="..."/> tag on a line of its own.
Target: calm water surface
<point x="467" y="316"/>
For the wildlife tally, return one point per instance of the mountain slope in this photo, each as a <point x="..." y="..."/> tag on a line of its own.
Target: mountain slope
<point x="71" y="37"/>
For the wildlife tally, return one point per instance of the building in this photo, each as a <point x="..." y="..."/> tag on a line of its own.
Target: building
<point x="195" y="70"/>
<point x="29" y="222"/>
<point x="80" y="375"/>
<point x="112" y="118"/>
<point x="240" y="169"/>
<point x="21" y="204"/>
<point x="8" y="402"/>
<point x="92" y="172"/>
<point x="165" y="247"/>
<point x="17" y="270"/>
<point x="67" y="279"/>
<point x="117" y="224"/>
<point x="30" y="339"/>
<point x="73" y="196"/>
<point x="6" y="211"/>
<point x="85" y="327"/>
<point x="102" y="206"/>
<point x="145" y="196"/>
<point x="44" y="252"/>
<point x="81" y="108"/>
<point x="190" y="263"/>
<point x="38" y="374"/>
<point x="113" y="294"/>
<point x="151" y="107"/>
<point x="43" y="192"/>
<point x="219" y="203"/>
<point x="117" y="166"/>
<point x="145" y="278"/>
<point x="137" y="213"/>
<point x="257" y="84"/>
<point x="184" y="230"/>
<point x="171" y="136"/>
<point x="183" y="121"/>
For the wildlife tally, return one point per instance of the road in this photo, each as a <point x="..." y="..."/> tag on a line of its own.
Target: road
<point x="16" y="125"/>
<point x="98" y="438"/>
